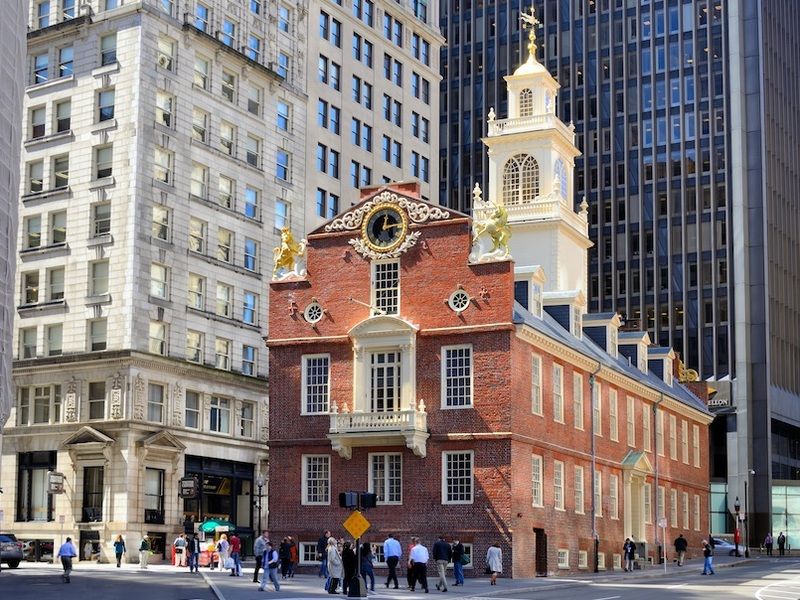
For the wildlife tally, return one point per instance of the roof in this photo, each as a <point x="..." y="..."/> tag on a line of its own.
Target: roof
<point x="629" y="337"/>
<point x="584" y="345"/>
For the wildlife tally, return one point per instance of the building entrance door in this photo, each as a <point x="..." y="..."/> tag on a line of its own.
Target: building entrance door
<point x="540" y="548"/>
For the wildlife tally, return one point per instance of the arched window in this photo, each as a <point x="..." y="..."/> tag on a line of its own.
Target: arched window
<point x="560" y="178"/>
<point x="526" y="103"/>
<point x="520" y="180"/>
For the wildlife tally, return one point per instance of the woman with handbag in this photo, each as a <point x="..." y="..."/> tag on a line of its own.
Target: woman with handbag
<point x="494" y="562"/>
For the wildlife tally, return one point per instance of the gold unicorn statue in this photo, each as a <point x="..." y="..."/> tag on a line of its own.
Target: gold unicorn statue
<point x="497" y="228"/>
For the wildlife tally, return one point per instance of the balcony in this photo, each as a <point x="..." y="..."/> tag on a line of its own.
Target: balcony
<point x="532" y="123"/>
<point x="407" y="427"/>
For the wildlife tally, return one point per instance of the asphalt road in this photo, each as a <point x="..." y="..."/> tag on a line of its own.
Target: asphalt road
<point x="45" y="583"/>
<point x="764" y="580"/>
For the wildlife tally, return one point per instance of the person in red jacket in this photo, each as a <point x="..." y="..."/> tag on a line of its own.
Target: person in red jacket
<point x="236" y="553"/>
<point x="293" y="556"/>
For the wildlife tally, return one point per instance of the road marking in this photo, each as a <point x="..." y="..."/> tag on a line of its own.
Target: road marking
<point x="680" y="585"/>
<point x="608" y="598"/>
<point x="781" y="590"/>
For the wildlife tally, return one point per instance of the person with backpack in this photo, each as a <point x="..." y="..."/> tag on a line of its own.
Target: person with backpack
<point x="270" y="561"/>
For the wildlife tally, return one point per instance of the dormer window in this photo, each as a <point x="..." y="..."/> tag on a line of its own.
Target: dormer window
<point x="386" y="287"/>
<point x="520" y="180"/>
<point x="668" y="372"/>
<point x="536" y="300"/>
<point x="641" y="358"/>
<point x="526" y="103"/>
<point x="612" y="341"/>
<point x="577" y="322"/>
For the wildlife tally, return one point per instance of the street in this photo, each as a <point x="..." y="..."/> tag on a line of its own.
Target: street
<point x="762" y="579"/>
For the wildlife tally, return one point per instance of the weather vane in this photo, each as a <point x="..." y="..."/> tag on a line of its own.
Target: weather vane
<point x="530" y="20"/>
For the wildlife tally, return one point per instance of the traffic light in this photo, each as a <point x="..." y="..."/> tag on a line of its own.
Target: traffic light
<point x="348" y="499"/>
<point x="368" y="500"/>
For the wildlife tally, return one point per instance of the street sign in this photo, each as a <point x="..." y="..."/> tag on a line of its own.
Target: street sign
<point x="55" y="482"/>
<point x="662" y="522"/>
<point x="356" y="524"/>
<point x="189" y="487"/>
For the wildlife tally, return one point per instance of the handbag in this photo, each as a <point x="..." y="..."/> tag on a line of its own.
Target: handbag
<point x="464" y="559"/>
<point x="488" y="570"/>
<point x="229" y="564"/>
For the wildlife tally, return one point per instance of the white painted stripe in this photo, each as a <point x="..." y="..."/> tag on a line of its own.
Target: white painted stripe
<point x="608" y="598"/>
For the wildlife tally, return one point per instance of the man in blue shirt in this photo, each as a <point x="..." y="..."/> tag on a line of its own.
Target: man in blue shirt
<point x="392" y="551"/>
<point x="67" y="552"/>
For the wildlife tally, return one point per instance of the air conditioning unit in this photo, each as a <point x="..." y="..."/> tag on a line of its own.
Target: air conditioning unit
<point x="164" y="61"/>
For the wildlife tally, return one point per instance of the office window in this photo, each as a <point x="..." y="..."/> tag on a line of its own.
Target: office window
<point x="105" y="105"/>
<point x="613" y="416"/>
<point x="229" y="86"/>
<point x="192" y="410"/>
<point x="157" y="338"/>
<point x="457" y="478"/>
<point x="283" y="65"/>
<point x="159" y="281"/>
<point x="250" y="308"/>
<point x="161" y="227"/>
<point x="227" y="138"/>
<point x="153" y="495"/>
<point x="166" y="53"/>
<point x="201" y="70"/>
<point x="456" y="376"/>
<point x="252" y="147"/>
<point x="200" y="126"/>
<point x="201" y="18"/>
<point x="196" y="296"/>
<point x="58" y="228"/>
<point x="577" y="395"/>
<point x="247" y="420"/>
<point x="386" y="477"/>
<point x="55" y="334"/>
<point x="55" y="284"/>
<point x="98" y="335"/>
<point x="103" y="157"/>
<point x="253" y="50"/>
<point x="282" y="165"/>
<point x="536" y="384"/>
<point x="284" y="18"/>
<point x="281" y="214"/>
<point x="254" y="95"/>
<point x="92" y="493"/>
<point x="155" y="402"/>
<point x="315" y="384"/>
<point x="43" y="14"/>
<point x="537" y="475"/>
<point x="60" y="172"/>
<point x="224" y="245"/>
<point x="98" y="280"/>
<point x="249" y="358"/>
<point x="108" y="49"/>
<point x="673" y="508"/>
<point x="283" y="118"/>
<point x="696" y="512"/>
<point x="228" y="33"/>
<point x="224" y="307"/>
<point x="386" y="286"/>
<point x="251" y="196"/>
<point x="198" y="184"/>
<point x="219" y="417"/>
<point x="222" y="353"/>
<point x="27" y="342"/>
<point x="164" y="109"/>
<point x="579" y="495"/>
<point x="36" y="176"/>
<point x="41" y="68"/>
<point x="255" y="6"/>
<point x="316" y="479"/>
<point x="558" y="485"/>
<point x="250" y="255"/>
<point x="197" y="235"/>
<point x="38" y="116"/>
<point x="97" y="400"/>
<point x="33" y="232"/>
<point x="30" y="284"/>
<point x="194" y="346"/>
<point x="65" y="61"/>
<point x="63" y="113"/>
<point x="225" y="191"/>
<point x="558" y="393"/>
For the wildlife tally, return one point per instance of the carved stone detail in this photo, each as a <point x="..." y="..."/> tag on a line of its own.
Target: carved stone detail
<point x="360" y="246"/>
<point x="71" y="407"/>
<point x="116" y="403"/>
<point x="418" y="212"/>
<point x="177" y="405"/>
<point x="138" y="398"/>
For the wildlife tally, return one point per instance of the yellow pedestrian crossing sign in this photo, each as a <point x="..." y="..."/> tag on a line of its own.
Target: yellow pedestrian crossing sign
<point x="356" y="524"/>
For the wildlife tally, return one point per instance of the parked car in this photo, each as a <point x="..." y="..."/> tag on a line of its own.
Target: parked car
<point x="10" y="550"/>
<point x="725" y="547"/>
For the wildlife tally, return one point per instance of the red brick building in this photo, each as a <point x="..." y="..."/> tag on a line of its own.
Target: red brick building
<point x="420" y="378"/>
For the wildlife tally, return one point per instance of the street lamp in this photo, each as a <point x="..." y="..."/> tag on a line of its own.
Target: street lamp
<point x="260" y="481"/>
<point x="746" y="526"/>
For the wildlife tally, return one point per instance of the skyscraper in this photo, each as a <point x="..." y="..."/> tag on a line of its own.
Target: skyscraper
<point x="683" y="112"/>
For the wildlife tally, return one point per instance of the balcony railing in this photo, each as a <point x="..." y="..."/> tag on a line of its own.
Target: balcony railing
<point x="408" y="427"/>
<point x="531" y="123"/>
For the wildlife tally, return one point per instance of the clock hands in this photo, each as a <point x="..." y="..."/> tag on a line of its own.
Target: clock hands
<point x="386" y="225"/>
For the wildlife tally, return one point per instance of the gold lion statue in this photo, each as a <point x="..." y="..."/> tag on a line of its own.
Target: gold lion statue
<point x="286" y="255"/>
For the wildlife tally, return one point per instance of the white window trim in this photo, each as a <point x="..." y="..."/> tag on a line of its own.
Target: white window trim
<point x="613" y="415"/>
<point x="562" y="553"/>
<point x="535" y="458"/>
<point x="577" y="395"/>
<point x="373" y="291"/>
<point x="558" y="467"/>
<point x="536" y="386"/>
<point x="630" y="419"/>
<point x="583" y="559"/>
<point x="304" y="481"/>
<point x="444" y="477"/>
<point x="443" y="377"/>
<point x="559" y="369"/>
<point x="304" y="383"/>
<point x="580" y="508"/>
<point x="613" y="495"/>
<point x="673" y="437"/>
<point x="370" y="477"/>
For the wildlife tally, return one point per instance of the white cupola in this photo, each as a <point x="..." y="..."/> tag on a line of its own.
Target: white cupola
<point x="531" y="163"/>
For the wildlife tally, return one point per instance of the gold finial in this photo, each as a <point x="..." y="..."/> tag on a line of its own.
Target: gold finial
<point x="531" y="21"/>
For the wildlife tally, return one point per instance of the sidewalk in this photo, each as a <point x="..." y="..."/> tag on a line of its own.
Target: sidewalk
<point x="311" y="586"/>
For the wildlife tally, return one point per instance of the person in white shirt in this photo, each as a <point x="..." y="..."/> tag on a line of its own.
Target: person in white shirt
<point x="392" y="551"/>
<point x="67" y="552"/>
<point x="419" y="565"/>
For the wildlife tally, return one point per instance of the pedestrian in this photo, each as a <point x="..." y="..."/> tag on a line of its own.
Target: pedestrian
<point x="119" y="549"/>
<point x="193" y="547"/>
<point x="180" y="548"/>
<point x="419" y="564"/>
<point x="708" y="556"/>
<point x="144" y="552"/>
<point x="349" y="565"/>
<point x="442" y="553"/>
<point x="67" y="552"/>
<point x="87" y="550"/>
<point x="367" y="556"/>
<point x="781" y="543"/>
<point x="322" y="551"/>
<point x="224" y="552"/>
<point x="494" y="561"/>
<point x="392" y="551"/>
<point x="270" y="560"/>
<point x="409" y="569"/>
<point x="283" y="555"/>
<point x="259" y="546"/>
<point x="335" y="568"/>
<point x="680" y="548"/>
<point x="768" y="544"/>
<point x="628" y="553"/>
<point x="293" y="556"/>
<point x="458" y="561"/>
<point x="236" y="554"/>
<point x="213" y="555"/>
